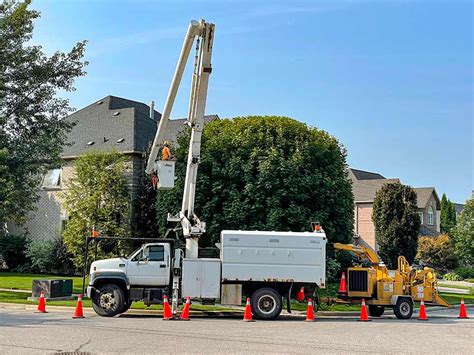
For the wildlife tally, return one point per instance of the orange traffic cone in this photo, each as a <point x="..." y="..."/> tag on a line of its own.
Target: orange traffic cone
<point x="41" y="304"/>
<point x="363" y="313"/>
<point x="300" y="294"/>
<point x="342" y="284"/>
<point x="78" y="313"/>
<point x="248" y="312"/>
<point x="462" y="310"/>
<point x="185" y="313"/>
<point x="310" y="311"/>
<point x="422" y="315"/>
<point x="167" y="314"/>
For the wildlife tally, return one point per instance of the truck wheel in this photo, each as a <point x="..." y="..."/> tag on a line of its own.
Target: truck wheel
<point x="404" y="308"/>
<point x="376" y="311"/>
<point x="126" y="306"/>
<point x="266" y="303"/>
<point x="108" y="300"/>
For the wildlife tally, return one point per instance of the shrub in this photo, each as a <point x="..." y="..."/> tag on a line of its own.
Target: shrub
<point x="332" y="269"/>
<point x="465" y="272"/>
<point x="49" y="256"/>
<point x="437" y="252"/>
<point x="13" y="250"/>
<point x="452" y="276"/>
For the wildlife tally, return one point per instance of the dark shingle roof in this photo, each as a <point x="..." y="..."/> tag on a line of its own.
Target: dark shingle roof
<point x="423" y="195"/>
<point x="458" y="207"/>
<point x="356" y="174"/>
<point x="117" y="123"/>
<point x="108" y="121"/>
<point x="365" y="190"/>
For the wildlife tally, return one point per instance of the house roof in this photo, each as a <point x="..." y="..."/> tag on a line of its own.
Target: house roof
<point x="356" y="174"/>
<point x="458" y="207"/>
<point x="117" y="123"/>
<point x="365" y="190"/>
<point x="424" y="194"/>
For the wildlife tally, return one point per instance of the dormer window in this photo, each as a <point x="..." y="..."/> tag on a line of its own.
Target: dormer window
<point x="430" y="216"/>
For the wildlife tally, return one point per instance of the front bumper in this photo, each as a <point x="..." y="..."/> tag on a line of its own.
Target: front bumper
<point x="89" y="291"/>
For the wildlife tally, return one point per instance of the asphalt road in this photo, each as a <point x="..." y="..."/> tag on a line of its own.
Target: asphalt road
<point x="22" y="331"/>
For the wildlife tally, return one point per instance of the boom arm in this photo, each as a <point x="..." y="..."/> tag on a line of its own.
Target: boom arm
<point x="203" y="32"/>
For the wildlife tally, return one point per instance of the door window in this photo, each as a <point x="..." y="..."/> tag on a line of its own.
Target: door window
<point x="155" y="253"/>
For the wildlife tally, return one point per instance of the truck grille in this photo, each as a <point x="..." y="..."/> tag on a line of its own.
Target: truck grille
<point x="358" y="280"/>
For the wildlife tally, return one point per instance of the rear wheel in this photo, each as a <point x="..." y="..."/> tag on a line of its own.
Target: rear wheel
<point x="404" y="308"/>
<point x="376" y="311"/>
<point x="108" y="300"/>
<point x="266" y="303"/>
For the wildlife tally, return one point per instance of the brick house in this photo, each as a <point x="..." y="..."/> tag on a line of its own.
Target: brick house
<point x="364" y="187"/>
<point x="110" y="123"/>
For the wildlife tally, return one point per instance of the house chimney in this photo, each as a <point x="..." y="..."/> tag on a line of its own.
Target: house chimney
<point x="152" y="110"/>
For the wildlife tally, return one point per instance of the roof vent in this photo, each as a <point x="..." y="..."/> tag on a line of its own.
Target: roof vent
<point x="100" y="102"/>
<point x="120" y="140"/>
<point x="116" y="113"/>
<point x="90" y="143"/>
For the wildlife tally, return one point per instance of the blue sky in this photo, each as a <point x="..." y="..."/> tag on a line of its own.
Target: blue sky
<point x="392" y="80"/>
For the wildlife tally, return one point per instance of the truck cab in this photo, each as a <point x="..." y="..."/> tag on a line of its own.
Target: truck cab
<point x="145" y="275"/>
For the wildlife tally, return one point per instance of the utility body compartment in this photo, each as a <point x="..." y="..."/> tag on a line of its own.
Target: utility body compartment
<point x="273" y="257"/>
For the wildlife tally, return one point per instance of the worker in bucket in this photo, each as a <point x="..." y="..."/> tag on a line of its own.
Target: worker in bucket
<point x="166" y="154"/>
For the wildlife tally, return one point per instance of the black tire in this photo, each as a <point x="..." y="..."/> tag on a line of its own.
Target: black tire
<point x="108" y="300"/>
<point x="404" y="308"/>
<point x="266" y="303"/>
<point x="126" y="306"/>
<point x="376" y="311"/>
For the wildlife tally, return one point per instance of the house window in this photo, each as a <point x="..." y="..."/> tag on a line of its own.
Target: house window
<point x="52" y="179"/>
<point x="421" y="217"/>
<point x="430" y="216"/>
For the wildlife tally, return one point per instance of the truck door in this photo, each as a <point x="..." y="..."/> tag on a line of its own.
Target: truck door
<point x="150" y="266"/>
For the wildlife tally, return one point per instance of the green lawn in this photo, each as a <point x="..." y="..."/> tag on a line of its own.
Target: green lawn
<point x="16" y="281"/>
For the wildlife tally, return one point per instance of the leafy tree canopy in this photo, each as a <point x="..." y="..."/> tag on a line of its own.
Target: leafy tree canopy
<point x="464" y="234"/>
<point x="396" y="223"/>
<point x="31" y="130"/>
<point x="96" y="197"/>
<point x="266" y="173"/>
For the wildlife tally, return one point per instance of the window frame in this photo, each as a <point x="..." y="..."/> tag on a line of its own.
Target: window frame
<point x="48" y="178"/>
<point x="430" y="216"/>
<point x="421" y="215"/>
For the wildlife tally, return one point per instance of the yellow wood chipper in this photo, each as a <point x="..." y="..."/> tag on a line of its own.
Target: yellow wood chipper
<point x="380" y="287"/>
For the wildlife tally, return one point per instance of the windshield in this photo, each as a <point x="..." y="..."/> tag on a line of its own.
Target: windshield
<point x="131" y="254"/>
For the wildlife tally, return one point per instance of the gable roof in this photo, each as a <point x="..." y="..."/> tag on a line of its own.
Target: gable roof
<point x="365" y="190"/>
<point x="356" y="174"/>
<point x="424" y="194"/>
<point x="117" y="123"/>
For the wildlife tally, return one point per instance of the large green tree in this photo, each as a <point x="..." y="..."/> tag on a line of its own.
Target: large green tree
<point x="266" y="173"/>
<point x="448" y="215"/>
<point x="96" y="197"/>
<point x="464" y="234"/>
<point x="32" y="132"/>
<point x="397" y="223"/>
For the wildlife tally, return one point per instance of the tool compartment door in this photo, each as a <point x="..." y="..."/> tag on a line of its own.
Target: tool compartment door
<point x="201" y="278"/>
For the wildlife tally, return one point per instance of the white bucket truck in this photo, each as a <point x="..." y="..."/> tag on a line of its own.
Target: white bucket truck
<point x="265" y="266"/>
